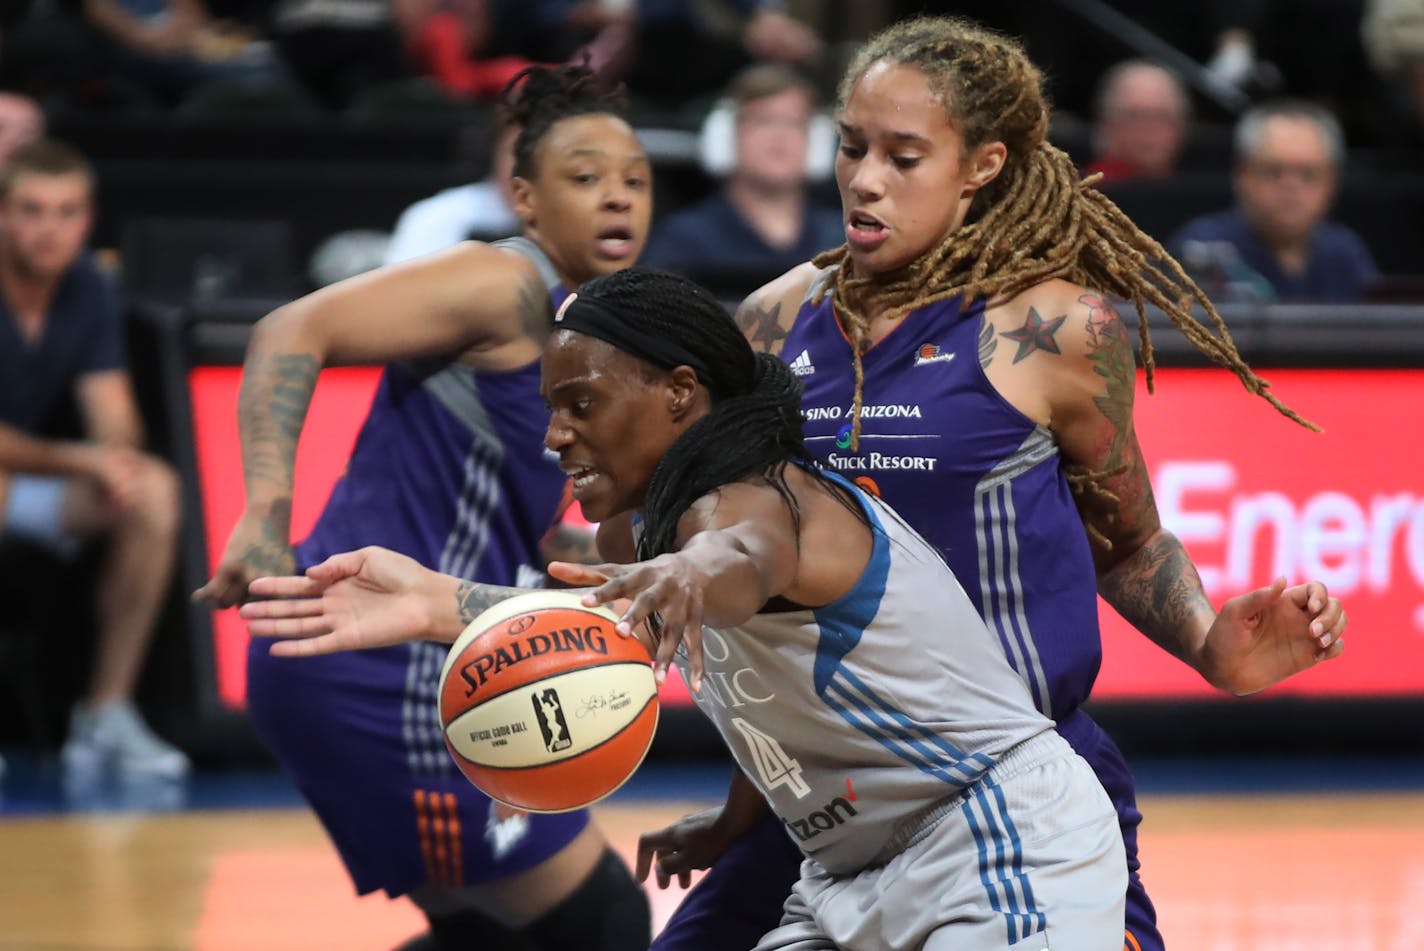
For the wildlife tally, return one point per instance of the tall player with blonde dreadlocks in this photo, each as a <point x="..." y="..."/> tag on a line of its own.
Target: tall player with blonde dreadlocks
<point x="961" y="359"/>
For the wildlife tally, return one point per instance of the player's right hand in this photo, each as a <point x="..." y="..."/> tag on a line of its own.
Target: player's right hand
<point x="666" y="594"/>
<point x="257" y="548"/>
<point x="355" y="600"/>
<point x="691" y="843"/>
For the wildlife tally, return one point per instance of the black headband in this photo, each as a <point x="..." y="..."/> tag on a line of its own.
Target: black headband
<point x="590" y="316"/>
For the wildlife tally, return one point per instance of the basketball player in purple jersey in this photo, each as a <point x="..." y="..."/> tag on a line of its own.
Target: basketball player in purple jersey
<point x="961" y="360"/>
<point x="450" y="469"/>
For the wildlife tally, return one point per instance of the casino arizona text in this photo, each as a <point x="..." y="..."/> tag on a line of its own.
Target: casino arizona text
<point x="478" y="671"/>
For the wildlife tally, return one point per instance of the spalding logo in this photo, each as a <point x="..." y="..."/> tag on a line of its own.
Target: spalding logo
<point x="479" y="670"/>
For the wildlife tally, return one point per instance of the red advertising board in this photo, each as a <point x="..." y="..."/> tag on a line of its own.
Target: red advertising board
<point x="1252" y="495"/>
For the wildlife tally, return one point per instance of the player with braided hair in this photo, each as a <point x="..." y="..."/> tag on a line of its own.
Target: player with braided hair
<point x="880" y="720"/>
<point x="962" y="359"/>
<point x="450" y="469"/>
<point x="755" y="421"/>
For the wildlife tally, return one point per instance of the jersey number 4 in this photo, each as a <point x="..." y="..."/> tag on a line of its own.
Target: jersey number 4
<point x="774" y="765"/>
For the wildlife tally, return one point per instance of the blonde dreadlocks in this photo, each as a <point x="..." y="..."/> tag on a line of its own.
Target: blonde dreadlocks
<point x="1035" y="221"/>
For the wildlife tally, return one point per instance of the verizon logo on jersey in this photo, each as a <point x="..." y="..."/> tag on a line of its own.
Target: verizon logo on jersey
<point x="832" y="814"/>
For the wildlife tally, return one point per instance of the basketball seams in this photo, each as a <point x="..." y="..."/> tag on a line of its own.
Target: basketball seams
<point x="487" y="697"/>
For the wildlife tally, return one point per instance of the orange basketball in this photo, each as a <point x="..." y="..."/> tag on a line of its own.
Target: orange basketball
<point x="545" y="706"/>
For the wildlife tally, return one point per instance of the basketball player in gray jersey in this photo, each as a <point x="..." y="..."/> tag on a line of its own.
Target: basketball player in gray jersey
<point x="850" y="675"/>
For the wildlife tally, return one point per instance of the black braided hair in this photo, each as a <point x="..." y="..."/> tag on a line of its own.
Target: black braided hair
<point x="754" y="427"/>
<point x="539" y="96"/>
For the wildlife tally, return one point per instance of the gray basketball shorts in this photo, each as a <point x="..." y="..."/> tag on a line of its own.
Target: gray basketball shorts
<point x="1030" y="858"/>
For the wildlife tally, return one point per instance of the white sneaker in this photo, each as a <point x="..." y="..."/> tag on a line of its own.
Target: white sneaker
<point x="115" y="735"/>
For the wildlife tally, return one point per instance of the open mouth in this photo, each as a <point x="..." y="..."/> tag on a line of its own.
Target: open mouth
<point x="582" y="476"/>
<point x="615" y="241"/>
<point x="860" y="221"/>
<point x="864" y="230"/>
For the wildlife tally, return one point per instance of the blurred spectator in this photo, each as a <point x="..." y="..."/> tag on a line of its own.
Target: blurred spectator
<point x="346" y="254"/>
<point x="1070" y="41"/>
<point x="452" y="45"/>
<point x="1393" y="33"/>
<point x="21" y="122"/>
<point x="1142" y="113"/>
<point x="682" y="52"/>
<point x="339" y="47"/>
<point x="1288" y="157"/>
<point x="61" y="337"/>
<point x="107" y="48"/>
<point x="668" y="51"/>
<point x="481" y="210"/>
<point x="762" y="221"/>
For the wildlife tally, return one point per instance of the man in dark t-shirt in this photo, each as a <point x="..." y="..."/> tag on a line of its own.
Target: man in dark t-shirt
<point x="1278" y="239"/>
<point x="61" y="338"/>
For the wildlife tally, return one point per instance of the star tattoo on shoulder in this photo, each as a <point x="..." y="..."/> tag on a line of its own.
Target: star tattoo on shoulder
<point x="762" y="327"/>
<point x="1036" y="334"/>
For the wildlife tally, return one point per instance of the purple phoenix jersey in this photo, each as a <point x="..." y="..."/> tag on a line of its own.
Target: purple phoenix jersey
<point x="449" y="468"/>
<point x="989" y="493"/>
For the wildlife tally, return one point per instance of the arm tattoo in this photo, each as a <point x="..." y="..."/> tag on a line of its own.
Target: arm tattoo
<point x="1158" y="591"/>
<point x="987" y="343"/>
<point x="1125" y="508"/>
<point x="1111" y="355"/>
<point x="272" y="404"/>
<point x="272" y="553"/>
<point x="761" y="327"/>
<point x="474" y="598"/>
<point x="535" y="312"/>
<point x="1036" y="334"/>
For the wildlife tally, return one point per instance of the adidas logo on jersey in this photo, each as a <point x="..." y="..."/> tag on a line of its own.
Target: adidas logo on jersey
<point x="931" y="353"/>
<point x="802" y="365"/>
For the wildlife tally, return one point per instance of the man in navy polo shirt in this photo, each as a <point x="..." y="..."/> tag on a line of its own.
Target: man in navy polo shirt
<point x="61" y="336"/>
<point x="763" y="221"/>
<point x="1288" y="157"/>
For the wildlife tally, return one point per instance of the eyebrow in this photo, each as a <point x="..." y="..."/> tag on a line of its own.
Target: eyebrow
<point x="914" y="137"/>
<point x="558" y="388"/>
<point x="600" y="153"/>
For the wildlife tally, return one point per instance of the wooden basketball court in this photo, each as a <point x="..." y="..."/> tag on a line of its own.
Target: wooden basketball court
<point x="1229" y="873"/>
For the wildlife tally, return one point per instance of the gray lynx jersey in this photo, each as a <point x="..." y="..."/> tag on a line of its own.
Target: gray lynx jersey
<point x="860" y="719"/>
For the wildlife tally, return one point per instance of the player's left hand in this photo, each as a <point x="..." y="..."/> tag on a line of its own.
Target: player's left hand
<point x="666" y="595"/>
<point x="690" y="844"/>
<point x="1264" y="636"/>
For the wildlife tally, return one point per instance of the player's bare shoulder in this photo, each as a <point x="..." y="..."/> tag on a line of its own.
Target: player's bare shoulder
<point x="503" y="292"/>
<point x="767" y="314"/>
<point x="1054" y="325"/>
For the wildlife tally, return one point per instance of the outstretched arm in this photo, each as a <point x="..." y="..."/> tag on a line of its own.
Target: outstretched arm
<point x="469" y="298"/>
<point x="1144" y="572"/>
<point x="373" y="597"/>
